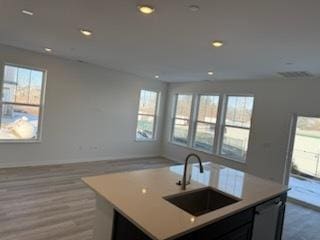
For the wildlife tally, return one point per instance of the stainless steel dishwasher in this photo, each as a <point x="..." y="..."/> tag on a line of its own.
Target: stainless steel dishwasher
<point x="266" y="220"/>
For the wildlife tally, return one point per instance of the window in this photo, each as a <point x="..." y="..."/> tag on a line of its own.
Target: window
<point x="21" y="103"/>
<point x="236" y="127"/>
<point x="147" y="115"/>
<point x="206" y="122"/>
<point x="181" y="119"/>
<point x="213" y="124"/>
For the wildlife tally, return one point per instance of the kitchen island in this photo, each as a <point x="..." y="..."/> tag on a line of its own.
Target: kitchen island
<point x="148" y="204"/>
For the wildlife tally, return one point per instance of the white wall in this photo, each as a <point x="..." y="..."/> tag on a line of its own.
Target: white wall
<point x="275" y="103"/>
<point x="90" y="113"/>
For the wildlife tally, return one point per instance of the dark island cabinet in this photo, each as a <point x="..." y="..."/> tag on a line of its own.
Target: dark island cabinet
<point x="123" y="229"/>
<point x="236" y="227"/>
<point x="225" y="229"/>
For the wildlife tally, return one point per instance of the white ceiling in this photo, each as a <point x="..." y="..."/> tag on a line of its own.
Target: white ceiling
<point x="261" y="36"/>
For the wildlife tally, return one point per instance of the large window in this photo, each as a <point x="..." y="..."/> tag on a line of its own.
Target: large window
<point x="21" y="104"/>
<point x="213" y="124"/>
<point x="206" y="122"/>
<point x="181" y="119"/>
<point x="147" y="115"/>
<point x="236" y="127"/>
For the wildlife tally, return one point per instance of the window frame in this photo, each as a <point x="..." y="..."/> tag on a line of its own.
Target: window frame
<point x="196" y="121"/>
<point x="219" y="125"/>
<point x="41" y="106"/>
<point x="155" y="117"/>
<point x="190" y="119"/>
<point x="223" y="125"/>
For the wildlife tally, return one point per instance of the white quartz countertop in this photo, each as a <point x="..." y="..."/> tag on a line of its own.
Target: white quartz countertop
<point x="138" y="195"/>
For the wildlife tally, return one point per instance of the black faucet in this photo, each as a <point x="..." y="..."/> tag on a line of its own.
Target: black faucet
<point x="184" y="178"/>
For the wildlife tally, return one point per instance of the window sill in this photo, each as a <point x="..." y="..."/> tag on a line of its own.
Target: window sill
<point x="231" y="159"/>
<point x="19" y="141"/>
<point x="145" y="140"/>
<point x="209" y="153"/>
<point x="201" y="150"/>
<point x="179" y="144"/>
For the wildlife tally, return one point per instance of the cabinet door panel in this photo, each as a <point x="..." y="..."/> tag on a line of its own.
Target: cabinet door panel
<point x="190" y="236"/>
<point x="282" y="210"/>
<point x="243" y="233"/>
<point x="123" y="229"/>
<point x="225" y="226"/>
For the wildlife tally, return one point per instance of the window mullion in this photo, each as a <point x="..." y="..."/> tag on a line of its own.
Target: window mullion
<point x="220" y="124"/>
<point x="155" y="118"/>
<point x="1" y="89"/>
<point x="144" y="114"/>
<point x="0" y="114"/>
<point x="173" y="119"/>
<point x="21" y="104"/>
<point x="205" y="122"/>
<point x="16" y="87"/>
<point x="235" y="126"/>
<point x="193" y="119"/>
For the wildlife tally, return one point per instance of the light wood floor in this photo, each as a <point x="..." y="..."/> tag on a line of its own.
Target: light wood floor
<point x="51" y="202"/>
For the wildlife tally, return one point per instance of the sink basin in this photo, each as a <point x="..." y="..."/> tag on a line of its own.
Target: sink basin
<point x="201" y="201"/>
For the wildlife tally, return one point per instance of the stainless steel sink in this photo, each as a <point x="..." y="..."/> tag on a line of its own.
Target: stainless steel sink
<point x="201" y="201"/>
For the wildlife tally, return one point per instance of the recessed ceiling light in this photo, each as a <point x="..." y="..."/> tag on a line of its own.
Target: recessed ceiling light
<point x="210" y="73"/>
<point x="194" y="8"/>
<point x="27" y="12"/>
<point x="146" y="9"/>
<point x="49" y="50"/>
<point x="86" y="32"/>
<point x="144" y="190"/>
<point x="156" y="76"/>
<point x="217" y="44"/>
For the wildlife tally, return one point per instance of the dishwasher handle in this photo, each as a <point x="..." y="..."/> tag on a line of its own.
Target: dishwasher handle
<point x="278" y="204"/>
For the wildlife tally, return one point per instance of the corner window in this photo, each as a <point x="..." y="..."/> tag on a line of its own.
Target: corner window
<point x="236" y="127"/>
<point x="181" y="119"/>
<point x="21" y="104"/>
<point x="147" y="115"/>
<point x="206" y="123"/>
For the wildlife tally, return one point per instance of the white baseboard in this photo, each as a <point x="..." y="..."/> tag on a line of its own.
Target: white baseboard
<point x="303" y="204"/>
<point x="76" y="160"/>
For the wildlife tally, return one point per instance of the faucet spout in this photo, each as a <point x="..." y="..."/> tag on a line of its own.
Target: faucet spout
<point x="184" y="178"/>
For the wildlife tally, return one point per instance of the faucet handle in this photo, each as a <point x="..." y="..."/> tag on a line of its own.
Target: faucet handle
<point x="179" y="183"/>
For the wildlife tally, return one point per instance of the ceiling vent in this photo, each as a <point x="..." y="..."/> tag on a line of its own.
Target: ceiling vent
<point x="295" y="74"/>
